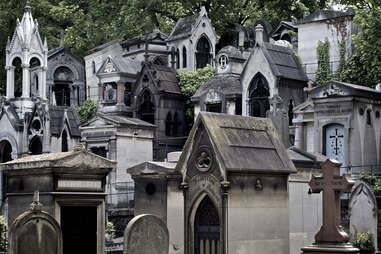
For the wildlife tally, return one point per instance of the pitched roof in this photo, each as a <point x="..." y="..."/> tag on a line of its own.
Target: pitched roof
<point x="241" y="144"/>
<point x="325" y="14"/>
<point x="57" y="120"/>
<point x="283" y="62"/>
<point x="119" y="120"/>
<point x="183" y="27"/>
<point x="227" y="85"/>
<point x="100" y="47"/>
<point x="120" y="64"/>
<point x="155" y="36"/>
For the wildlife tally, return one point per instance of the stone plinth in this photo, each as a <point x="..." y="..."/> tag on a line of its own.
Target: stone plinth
<point x="329" y="248"/>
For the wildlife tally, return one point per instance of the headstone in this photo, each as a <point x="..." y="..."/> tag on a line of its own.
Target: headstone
<point x="363" y="211"/>
<point x="279" y="116"/>
<point x="331" y="238"/>
<point x="35" y="232"/>
<point x="146" y="234"/>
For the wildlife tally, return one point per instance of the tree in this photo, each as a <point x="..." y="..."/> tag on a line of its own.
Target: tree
<point x="364" y="65"/>
<point x="189" y="82"/>
<point x="87" y="110"/>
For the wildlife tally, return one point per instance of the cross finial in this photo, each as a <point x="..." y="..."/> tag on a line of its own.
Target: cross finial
<point x="27" y="6"/>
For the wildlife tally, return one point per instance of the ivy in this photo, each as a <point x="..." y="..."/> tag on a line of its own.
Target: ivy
<point x="373" y="182"/>
<point x="342" y="51"/>
<point x="3" y="235"/>
<point x="87" y="110"/>
<point x="323" y="72"/>
<point x="189" y="82"/>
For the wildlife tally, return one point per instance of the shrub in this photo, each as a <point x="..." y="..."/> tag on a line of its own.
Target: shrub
<point x="363" y="241"/>
<point x="87" y="110"/>
<point x="3" y="235"/>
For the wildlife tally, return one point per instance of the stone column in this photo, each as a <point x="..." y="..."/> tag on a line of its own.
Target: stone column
<point x="299" y="136"/>
<point x="25" y="81"/>
<point x="43" y="82"/>
<point x="10" y="93"/>
<point x="40" y="89"/>
<point x="120" y="93"/>
<point x="100" y="92"/>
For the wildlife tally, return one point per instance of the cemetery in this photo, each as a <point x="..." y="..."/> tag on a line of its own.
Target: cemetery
<point x="186" y="133"/>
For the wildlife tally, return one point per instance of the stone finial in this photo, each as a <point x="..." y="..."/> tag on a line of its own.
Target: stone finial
<point x="46" y="43"/>
<point x="27" y="6"/>
<point x="259" y="33"/>
<point x="36" y="205"/>
<point x="79" y="148"/>
<point x="8" y="44"/>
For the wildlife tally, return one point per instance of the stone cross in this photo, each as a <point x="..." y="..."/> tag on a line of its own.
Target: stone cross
<point x="336" y="137"/>
<point x="332" y="184"/>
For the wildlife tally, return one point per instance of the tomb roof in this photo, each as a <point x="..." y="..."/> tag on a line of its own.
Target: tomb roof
<point x="120" y="65"/>
<point x="227" y="85"/>
<point x="240" y="144"/>
<point x="283" y="62"/>
<point x="117" y="120"/>
<point x="183" y="27"/>
<point x="103" y="46"/>
<point x="302" y="158"/>
<point x="155" y="36"/>
<point x="152" y="168"/>
<point x="58" y="118"/>
<point x="231" y="52"/>
<point x="324" y="15"/>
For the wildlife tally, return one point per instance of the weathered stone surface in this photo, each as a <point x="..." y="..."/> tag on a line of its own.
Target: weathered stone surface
<point x="146" y="234"/>
<point x="35" y="232"/>
<point x="363" y="211"/>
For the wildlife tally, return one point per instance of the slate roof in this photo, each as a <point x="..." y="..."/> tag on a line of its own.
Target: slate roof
<point x="55" y="51"/>
<point x="360" y="91"/>
<point x="156" y="35"/>
<point x="301" y="158"/>
<point x="122" y="65"/>
<point x="283" y="62"/>
<point x="123" y="120"/>
<point x="152" y="168"/>
<point x="229" y="85"/>
<point x="183" y="27"/>
<point x="324" y="15"/>
<point x="241" y="144"/>
<point x="57" y="120"/>
<point x="100" y="47"/>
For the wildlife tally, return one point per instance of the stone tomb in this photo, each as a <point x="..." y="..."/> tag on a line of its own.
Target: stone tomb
<point x="363" y="211"/>
<point x="35" y="232"/>
<point x="233" y="176"/>
<point x="331" y="237"/>
<point x="146" y="234"/>
<point x="71" y="186"/>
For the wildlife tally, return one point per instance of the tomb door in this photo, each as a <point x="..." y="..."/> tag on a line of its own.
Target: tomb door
<point x="146" y="109"/>
<point x="79" y="229"/>
<point x="259" y="96"/>
<point x="207" y="228"/>
<point x="334" y="142"/>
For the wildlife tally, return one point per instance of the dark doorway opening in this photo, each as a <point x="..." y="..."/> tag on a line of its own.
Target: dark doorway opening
<point x="203" y="54"/>
<point x="215" y="107"/>
<point x="35" y="146"/>
<point x="5" y="152"/>
<point x="79" y="229"/>
<point x="64" y="144"/>
<point x="259" y="93"/>
<point x="146" y="109"/>
<point x="207" y="228"/>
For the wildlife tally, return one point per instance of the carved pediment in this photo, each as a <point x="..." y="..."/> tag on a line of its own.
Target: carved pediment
<point x="108" y="66"/>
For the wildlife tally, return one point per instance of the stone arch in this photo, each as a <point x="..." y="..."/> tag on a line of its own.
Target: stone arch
<point x="203" y="51"/>
<point x="192" y="220"/>
<point x="76" y="75"/>
<point x="9" y="138"/>
<point x="63" y="79"/>
<point x="258" y="96"/>
<point x="5" y="151"/>
<point x="36" y="56"/>
<point x="17" y="64"/>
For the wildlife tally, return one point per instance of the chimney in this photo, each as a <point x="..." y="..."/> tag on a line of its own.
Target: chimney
<point x="259" y="33"/>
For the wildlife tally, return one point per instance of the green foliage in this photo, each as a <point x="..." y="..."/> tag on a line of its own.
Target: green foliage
<point x="340" y="69"/>
<point x="363" y="241"/>
<point x="110" y="230"/>
<point x="373" y="182"/>
<point x="3" y="235"/>
<point x="323" y="71"/>
<point x="364" y="66"/>
<point x="189" y="82"/>
<point x="87" y="110"/>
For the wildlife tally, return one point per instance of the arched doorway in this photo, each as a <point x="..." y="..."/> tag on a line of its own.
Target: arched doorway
<point x="35" y="65"/>
<point x="5" y="151"/>
<point x="203" y="54"/>
<point x="259" y="96"/>
<point x="206" y="228"/>
<point x="17" y="77"/>
<point x="35" y="146"/>
<point x="146" y="110"/>
<point x="63" y="79"/>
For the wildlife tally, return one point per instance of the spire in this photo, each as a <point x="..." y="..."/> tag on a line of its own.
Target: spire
<point x="27" y="6"/>
<point x="46" y="43"/>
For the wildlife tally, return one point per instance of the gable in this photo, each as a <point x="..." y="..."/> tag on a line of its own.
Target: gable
<point x="98" y="122"/>
<point x="108" y="67"/>
<point x="5" y="123"/>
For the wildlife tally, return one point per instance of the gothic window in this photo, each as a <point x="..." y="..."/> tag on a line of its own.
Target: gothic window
<point x="258" y="96"/>
<point x="290" y="112"/>
<point x="146" y="109"/>
<point x="5" y="151"/>
<point x="168" y="124"/>
<point x="203" y="54"/>
<point x="35" y="146"/>
<point x="184" y="57"/>
<point x="63" y="79"/>
<point x="368" y="117"/>
<point x="206" y="228"/>
<point x="34" y="65"/>
<point x="177" y="59"/>
<point x="64" y="144"/>
<point x="17" y="77"/>
<point x="334" y="142"/>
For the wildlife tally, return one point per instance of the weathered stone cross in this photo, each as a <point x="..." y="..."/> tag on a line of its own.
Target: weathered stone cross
<point x="331" y="183"/>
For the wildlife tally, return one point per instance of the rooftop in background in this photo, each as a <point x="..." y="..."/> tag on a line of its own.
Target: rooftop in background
<point x="324" y="15"/>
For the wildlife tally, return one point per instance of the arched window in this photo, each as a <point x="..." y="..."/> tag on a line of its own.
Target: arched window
<point x="146" y="109"/>
<point x="184" y="57"/>
<point x="290" y="112"/>
<point x="63" y="79"/>
<point x="5" y="151"/>
<point x="258" y="96"/>
<point x="17" y="77"/>
<point x="368" y="117"/>
<point x="168" y="124"/>
<point x="35" y="146"/>
<point x="94" y="68"/>
<point x="177" y="59"/>
<point x="34" y="65"/>
<point x="203" y="54"/>
<point x="286" y="37"/>
<point x="64" y="144"/>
